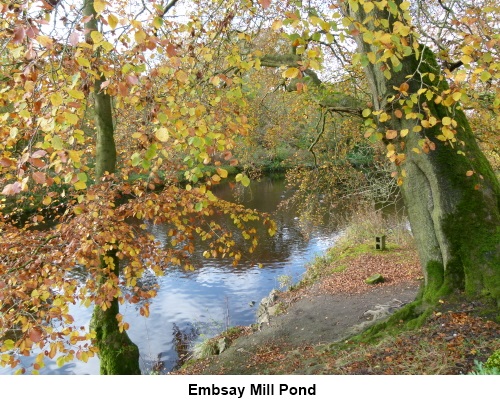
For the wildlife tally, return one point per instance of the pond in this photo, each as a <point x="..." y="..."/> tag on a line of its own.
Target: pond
<point x="195" y="305"/>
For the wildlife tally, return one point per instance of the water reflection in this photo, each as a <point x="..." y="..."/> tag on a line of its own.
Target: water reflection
<point x="199" y="304"/>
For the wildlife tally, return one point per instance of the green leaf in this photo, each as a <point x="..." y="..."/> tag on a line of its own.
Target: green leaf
<point x="57" y="142"/>
<point x="151" y="152"/>
<point x="9" y="344"/>
<point x="243" y="179"/>
<point x="60" y="361"/>
<point x="136" y="159"/>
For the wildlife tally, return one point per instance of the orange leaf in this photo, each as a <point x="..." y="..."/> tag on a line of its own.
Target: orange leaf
<point x="391" y="134"/>
<point x="265" y="3"/>
<point x="35" y="335"/>
<point x="39" y="177"/>
<point x="171" y="50"/>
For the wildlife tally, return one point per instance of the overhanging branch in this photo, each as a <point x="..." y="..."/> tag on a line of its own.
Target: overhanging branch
<point x="330" y="101"/>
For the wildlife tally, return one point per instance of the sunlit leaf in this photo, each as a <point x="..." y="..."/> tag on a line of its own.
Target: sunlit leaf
<point x="99" y="6"/>
<point x="162" y="134"/>
<point x="291" y="73"/>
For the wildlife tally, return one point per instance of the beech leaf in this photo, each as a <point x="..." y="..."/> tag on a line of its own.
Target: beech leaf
<point x="265" y="3"/>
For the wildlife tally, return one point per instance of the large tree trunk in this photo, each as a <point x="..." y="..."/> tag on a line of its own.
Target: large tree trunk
<point x="117" y="353"/>
<point x="454" y="217"/>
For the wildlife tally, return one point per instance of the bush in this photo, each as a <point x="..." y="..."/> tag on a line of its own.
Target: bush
<point x="485" y="369"/>
<point x="494" y="360"/>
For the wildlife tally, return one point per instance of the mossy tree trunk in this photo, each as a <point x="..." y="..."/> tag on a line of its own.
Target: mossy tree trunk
<point x="455" y="218"/>
<point x="117" y="353"/>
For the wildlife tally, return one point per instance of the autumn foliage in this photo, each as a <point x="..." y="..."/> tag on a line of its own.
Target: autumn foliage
<point x="183" y="83"/>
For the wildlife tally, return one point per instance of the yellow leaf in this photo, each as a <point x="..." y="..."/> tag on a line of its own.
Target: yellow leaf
<point x="446" y="121"/>
<point x="290" y="73"/>
<point x="76" y="94"/>
<point x="83" y="62"/>
<point x="140" y="36"/>
<point x="162" y="134"/>
<point x="215" y="81"/>
<point x="466" y="59"/>
<point x="107" y="46"/>
<point x="383" y="117"/>
<point x="277" y="25"/>
<point x="60" y="361"/>
<point x="469" y="173"/>
<point x="368" y="6"/>
<point x="45" y="41"/>
<point x="74" y="155"/>
<point x="405" y="5"/>
<point x="112" y="21"/>
<point x="181" y="76"/>
<point x="99" y="6"/>
<point x="56" y="99"/>
<point x="245" y="181"/>
<point x="222" y="172"/>
<point x="71" y="118"/>
<point x="96" y="36"/>
<point x="47" y="200"/>
<point x="460" y="76"/>
<point x="80" y="185"/>
<point x="157" y="22"/>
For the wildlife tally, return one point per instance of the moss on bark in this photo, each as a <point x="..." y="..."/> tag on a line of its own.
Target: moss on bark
<point x="455" y="218"/>
<point x="117" y="353"/>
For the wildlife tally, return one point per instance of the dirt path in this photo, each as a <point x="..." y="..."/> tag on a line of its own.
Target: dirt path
<point x="313" y="319"/>
<point x="337" y="305"/>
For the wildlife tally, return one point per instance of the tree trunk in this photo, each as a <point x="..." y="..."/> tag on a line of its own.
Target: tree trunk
<point x="454" y="217"/>
<point x="117" y="353"/>
<point x="103" y="112"/>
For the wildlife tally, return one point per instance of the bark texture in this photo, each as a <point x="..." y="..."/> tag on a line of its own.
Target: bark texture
<point x="455" y="219"/>
<point x="103" y="112"/>
<point x="117" y="353"/>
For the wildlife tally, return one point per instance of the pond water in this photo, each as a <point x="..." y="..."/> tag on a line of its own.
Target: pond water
<point x="194" y="305"/>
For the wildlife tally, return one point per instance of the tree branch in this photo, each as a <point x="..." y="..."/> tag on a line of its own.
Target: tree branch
<point x="331" y="101"/>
